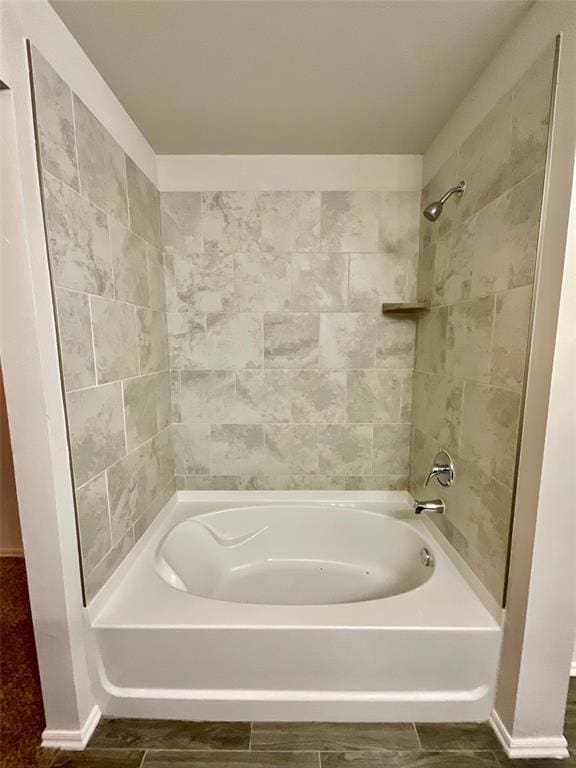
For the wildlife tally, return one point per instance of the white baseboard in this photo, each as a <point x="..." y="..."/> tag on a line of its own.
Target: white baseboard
<point x="73" y="740"/>
<point x="553" y="747"/>
<point x="11" y="552"/>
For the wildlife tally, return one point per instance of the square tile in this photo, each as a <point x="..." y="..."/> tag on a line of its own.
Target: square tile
<point x="115" y="339"/>
<point x="101" y="163"/>
<point x="262" y="282"/>
<point x="234" y="340"/>
<point x="96" y="427"/>
<point x="143" y="204"/>
<point x="347" y="340"/>
<point x="291" y="340"/>
<point x="140" y="410"/>
<point x="78" y="241"/>
<point x="75" y="337"/>
<point x="319" y="281"/>
<point x="345" y="449"/>
<point x="55" y="122"/>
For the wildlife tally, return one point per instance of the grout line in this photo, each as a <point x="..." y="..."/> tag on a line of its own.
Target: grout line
<point x="417" y="735"/>
<point x="144" y="754"/>
<point x="79" y="190"/>
<point x="319" y="760"/>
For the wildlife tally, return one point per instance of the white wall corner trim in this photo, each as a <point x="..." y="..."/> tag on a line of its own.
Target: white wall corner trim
<point x="211" y="173"/>
<point x="73" y="740"/>
<point x="531" y="747"/>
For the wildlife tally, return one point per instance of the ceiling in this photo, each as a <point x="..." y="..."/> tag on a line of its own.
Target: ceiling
<point x="290" y="76"/>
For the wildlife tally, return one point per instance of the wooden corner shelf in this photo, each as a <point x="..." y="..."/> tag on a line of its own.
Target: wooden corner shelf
<point x="407" y="308"/>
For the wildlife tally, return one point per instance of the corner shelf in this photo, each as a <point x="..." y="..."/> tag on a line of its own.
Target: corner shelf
<point x="407" y="308"/>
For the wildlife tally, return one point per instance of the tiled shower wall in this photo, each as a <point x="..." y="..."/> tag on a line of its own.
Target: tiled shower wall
<point x="103" y="229"/>
<point x="285" y="374"/>
<point x="477" y="266"/>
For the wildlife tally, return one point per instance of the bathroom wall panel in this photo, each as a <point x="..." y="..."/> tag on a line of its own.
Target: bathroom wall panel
<point x="477" y="265"/>
<point x="103" y="228"/>
<point x="281" y="361"/>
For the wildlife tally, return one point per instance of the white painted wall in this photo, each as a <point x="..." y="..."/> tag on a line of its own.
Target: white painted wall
<point x="205" y="173"/>
<point x="30" y="362"/>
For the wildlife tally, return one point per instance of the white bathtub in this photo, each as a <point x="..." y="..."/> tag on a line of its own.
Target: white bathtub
<point x="293" y="606"/>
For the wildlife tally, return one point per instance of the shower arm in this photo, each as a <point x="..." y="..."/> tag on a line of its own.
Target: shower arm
<point x="457" y="190"/>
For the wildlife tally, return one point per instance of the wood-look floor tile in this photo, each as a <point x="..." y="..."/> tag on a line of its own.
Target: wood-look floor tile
<point x="334" y="737"/>
<point x="413" y="759"/>
<point x="170" y="734"/>
<point x="223" y="759"/>
<point x="457" y="736"/>
<point x="99" y="758"/>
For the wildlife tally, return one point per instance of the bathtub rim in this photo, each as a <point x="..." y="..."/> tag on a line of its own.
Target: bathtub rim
<point x="352" y="498"/>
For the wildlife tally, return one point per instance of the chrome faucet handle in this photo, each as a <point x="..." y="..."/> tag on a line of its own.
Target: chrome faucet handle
<point x="442" y="470"/>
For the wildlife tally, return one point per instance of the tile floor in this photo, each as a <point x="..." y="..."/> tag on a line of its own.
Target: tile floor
<point x="170" y="744"/>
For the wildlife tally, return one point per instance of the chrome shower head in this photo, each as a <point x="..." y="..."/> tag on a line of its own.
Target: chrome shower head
<point x="432" y="212"/>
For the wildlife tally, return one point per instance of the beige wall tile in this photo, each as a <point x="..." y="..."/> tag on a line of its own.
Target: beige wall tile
<point x="399" y="223"/>
<point x="191" y="448"/>
<point x="262" y="282"/>
<point x="204" y="282"/>
<point x="453" y="266"/>
<point x="129" y="262"/>
<point x="143" y="204"/>
<point x="234" y="340"/>
<point x="209" y="483"/>
<point x="262" y="396"/>
<point x="93" y="521"/>
<point x="511" y="329"/>
<point x="378" y="277"/>
<point x="163" y="399"/>
<point x="208" y="396"/>
<point x="75" y="334"/>
<point x="156" y="282"/>
<point x="350" y="221"/>
<point x="395" y="342"/>
<point x="115" y="339"/>
<point x="187" y="340"/>
<point x="96" y="427"/>
<point x="469" y="338"/>
<point x="425" y="275"/>
<point x="181" y="222"/>
<point x="243" y="222"/>
<point x="347" y="340"/>
<point x="345" y="449"/>
<point x="291" y="340"/>
<point x="152" y="340"/>
<point x="290" y="448"/>
<point x="531" y="116"/>
<point x="490" y="429"/>
<point x="318" y="396"/>
<point x="431" y="341"/>
<point x="53" y="103"/>
<point x="101" y="162"/>
<point x="128" y="490"/>
<point x="373" y="396"/>
<point x="78" y="241"/>
<point x="176" y="395"/>
<point x="391" y="452"/>
<point x="140" y="410"/>
<point x="506" y="239"/>
<point x="319" y="281"/>
<point x="377" y="483"/>
<point x="484" y="159"/>
<point x="237" y="449"/>
<point x="96" y="579"/>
